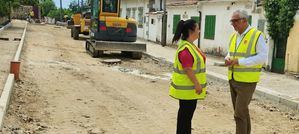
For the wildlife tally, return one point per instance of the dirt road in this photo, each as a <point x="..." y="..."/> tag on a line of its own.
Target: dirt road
<point x="65" y="91"/>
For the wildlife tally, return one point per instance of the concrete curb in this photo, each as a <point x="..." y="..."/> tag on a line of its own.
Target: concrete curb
<point x="19" y="50"/>
<point x="5" y="97"/>
<point x="7" y="90"/>
<point x="5" y="27"/>
<point x="262" y="92"/>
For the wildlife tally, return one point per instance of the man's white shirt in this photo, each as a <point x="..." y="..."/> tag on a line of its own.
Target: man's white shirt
<point x="261" y="50"/>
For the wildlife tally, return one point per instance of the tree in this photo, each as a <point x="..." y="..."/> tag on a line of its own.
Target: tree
<point x="280" y="16"/>
<point x="4" y="10"/>
<point x="47" y="6"/>
<point x="74" y="6"/>
<point x="29" y="2"/>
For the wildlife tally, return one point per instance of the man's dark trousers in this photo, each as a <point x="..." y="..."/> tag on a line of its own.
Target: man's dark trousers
<point x="241" y="94"/>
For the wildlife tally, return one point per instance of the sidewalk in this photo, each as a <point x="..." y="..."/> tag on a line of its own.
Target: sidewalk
<point x="279" y="88"/>
<point x="9" y="42"/>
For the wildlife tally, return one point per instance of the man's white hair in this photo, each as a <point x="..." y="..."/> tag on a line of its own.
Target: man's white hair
<point x="242" y="14"/>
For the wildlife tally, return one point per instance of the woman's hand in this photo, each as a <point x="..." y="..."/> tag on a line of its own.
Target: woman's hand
<point x="198" y="88"/>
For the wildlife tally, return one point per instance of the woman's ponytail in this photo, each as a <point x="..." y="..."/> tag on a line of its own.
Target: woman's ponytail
<point x="178" y="31"/>
<point x="183" y="29"/>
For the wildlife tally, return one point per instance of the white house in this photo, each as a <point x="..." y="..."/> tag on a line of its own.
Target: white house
<point x="180" y="10"/>
<point x="216" y="28"/>
<point x="148" y="13"/>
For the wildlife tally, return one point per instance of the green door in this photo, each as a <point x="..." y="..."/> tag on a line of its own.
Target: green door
<point x="278" y="60"/>
<point x="176" y="20"/>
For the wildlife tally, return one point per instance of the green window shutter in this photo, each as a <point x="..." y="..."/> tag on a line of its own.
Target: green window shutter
<point x="176" y="20"/>
<point x="210" y="27"/>
<point x="196" y="18"/>
<point x="250" y="19"/>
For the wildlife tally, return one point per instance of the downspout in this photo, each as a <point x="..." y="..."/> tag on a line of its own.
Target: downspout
<point x="164" y="25"/>
<point x="199" y="24"/>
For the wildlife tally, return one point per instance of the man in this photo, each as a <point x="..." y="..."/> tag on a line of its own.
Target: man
<point x="247" y="53"/>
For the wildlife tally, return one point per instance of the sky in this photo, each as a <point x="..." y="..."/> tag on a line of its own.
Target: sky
<point x="65" y="3"/>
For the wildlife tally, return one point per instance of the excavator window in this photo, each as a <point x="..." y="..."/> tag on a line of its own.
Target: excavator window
<point x="110" y="6"/>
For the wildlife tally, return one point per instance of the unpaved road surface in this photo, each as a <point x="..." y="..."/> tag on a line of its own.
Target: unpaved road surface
<point x="65" y="91"/>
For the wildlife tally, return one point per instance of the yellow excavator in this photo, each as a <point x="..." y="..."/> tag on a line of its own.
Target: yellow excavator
<point x="81" y="24"/>
<point x="110" y="32"/>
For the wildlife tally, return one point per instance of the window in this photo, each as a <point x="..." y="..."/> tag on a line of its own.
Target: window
<point x="120" y="11"/>
<point x="210" y="22"/>
<point x="128" y="13"/>
<point x="176" y="20"/>
<point x="110" y="6"/>
<point x="134" y="13"/>
<point x="140" y="17"/>
<point x="95" y="9"/>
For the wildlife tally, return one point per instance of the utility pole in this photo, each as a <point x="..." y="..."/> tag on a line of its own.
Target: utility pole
<point x="61" y="10"/>
<point x="164" y="24"/>
<point x="79" y="9"/>
<point x="81" y="4"/>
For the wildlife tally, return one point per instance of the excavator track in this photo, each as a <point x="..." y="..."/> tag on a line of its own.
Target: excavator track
<point x="89" y="47"/>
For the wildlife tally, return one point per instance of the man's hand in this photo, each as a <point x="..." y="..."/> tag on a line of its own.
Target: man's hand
<point x="228" y="62"/>
<point x="235" y="62"/>
<point x="198" y="88"/>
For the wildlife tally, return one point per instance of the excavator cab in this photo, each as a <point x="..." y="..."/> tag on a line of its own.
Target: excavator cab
<point x="107" y="25"/>
<point x="110" y="32"/>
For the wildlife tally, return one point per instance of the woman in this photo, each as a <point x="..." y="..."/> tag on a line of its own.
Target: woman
<point x="188" y="81"/>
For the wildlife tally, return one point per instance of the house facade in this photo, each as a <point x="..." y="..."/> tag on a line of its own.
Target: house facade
<point x="213" y="17"/>
<point x="148" y="14"/>
<point x="216" y="26"/>
<point x="180" y="10"/>
<point x="292" y="52"/>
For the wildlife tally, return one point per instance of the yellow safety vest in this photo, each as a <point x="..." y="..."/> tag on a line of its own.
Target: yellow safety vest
<point x="181" y="86"/>
<point x="246" y="48"/>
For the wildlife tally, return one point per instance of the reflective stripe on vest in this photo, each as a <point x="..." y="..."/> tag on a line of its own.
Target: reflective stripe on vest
<point x="246" y="69"/>
<point x="244" y="50"/>
<point x="181" y="87"/>
<point x="198" y="70"/>
<point x="247" y="54"/>
<point x="187" y="87"/>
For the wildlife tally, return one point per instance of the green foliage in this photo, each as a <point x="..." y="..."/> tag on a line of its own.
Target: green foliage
<point x="4" y="8"/>
<point x="47" y="6"/>
<point x="280" y="16"/>
<point x="68" y="12"/>
<point x="272" y="8"/>
<point x="6" y="5"/>
<point x="29" y="2"/>
<point x="76" y="7"/>
<point x="54" y="14"/>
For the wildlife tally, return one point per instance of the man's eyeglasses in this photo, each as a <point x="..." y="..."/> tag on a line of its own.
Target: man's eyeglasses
<point x="235" y="20"/>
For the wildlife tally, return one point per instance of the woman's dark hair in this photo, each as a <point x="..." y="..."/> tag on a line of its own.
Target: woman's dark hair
<point x="182" y="30"/>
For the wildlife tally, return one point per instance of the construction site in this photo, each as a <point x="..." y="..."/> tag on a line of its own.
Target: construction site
<point x="73" y="78"/>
